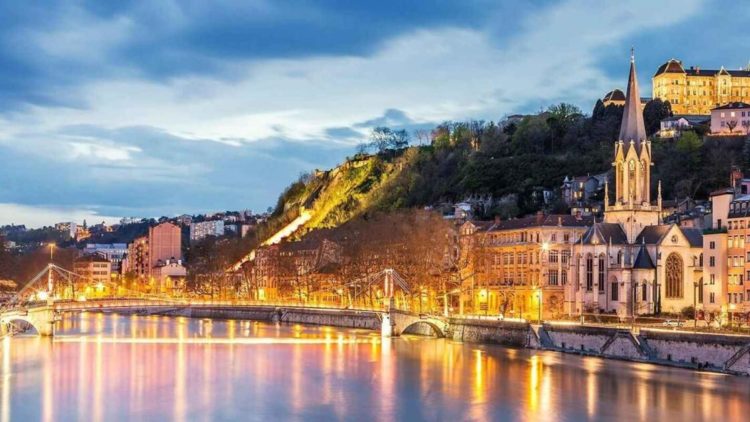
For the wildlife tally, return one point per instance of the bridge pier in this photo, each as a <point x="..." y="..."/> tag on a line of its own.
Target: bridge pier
<point x="386" y="325"/>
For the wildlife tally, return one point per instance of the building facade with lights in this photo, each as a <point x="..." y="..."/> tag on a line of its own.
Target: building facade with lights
<point x="513" y="267"/>
<point x="697" y="91"/>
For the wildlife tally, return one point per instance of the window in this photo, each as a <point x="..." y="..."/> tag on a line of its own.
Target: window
<point x="615" y="291"/>
<point x="552" y="278"/>
<point x="674" y="276"/>
<point x="600" y="281"/>
<point x="553" y="257"/>
<point x="565" y="256"/>
<point x="712" y="297"/>
<point x="711" y="261"/>
<point x="644" y="291"/>
<point x="589" y="273"/>
<point x="712" y="279"/>
<point x="564" y="277"/>
<point x="700" y="291"/>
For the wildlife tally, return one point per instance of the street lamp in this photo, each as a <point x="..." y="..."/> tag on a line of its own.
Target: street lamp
<point x="51" y="251"/>
<point x="539" y="309"/>
<point x="696" y="286"/>
<point x="483" y="297"/>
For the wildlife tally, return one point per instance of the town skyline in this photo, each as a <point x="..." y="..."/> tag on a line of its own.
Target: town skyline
<point x="222" y="141"/>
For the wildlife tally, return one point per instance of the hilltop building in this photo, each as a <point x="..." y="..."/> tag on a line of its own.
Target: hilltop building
<point x="199" y="231"/>
<point x="617" y="97"/>
<point x="673" y="126"/>
<point x="697" y="91"/>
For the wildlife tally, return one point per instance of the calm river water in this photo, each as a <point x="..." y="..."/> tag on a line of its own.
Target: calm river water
<point x="109" y="368"/>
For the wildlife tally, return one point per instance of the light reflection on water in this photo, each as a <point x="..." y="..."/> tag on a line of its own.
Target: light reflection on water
<point x="108" y="367"/>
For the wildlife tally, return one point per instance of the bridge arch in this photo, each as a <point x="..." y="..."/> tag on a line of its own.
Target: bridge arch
<point x="417" y="327"/>
<point x="7" y="321"/>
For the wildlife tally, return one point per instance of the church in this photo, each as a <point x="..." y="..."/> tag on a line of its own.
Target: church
<point x="631" y="263"/>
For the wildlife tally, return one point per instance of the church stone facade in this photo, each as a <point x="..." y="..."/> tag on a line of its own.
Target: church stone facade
<point x="631" y="263"/>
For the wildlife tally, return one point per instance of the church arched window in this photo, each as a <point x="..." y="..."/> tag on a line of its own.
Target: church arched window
<point x="631" y="179"/>
<point x="600" y="279"/>
<point x="589" y="272"/>
<point x="674" y="276"/>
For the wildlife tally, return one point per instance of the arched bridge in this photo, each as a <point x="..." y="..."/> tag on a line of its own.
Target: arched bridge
<point x="397" y="322"/>
<point x="41" y="317"/>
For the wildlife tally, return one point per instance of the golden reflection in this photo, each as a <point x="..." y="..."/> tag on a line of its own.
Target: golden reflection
<point x="535" y="366"/>
<point x="47" y="386"/>
<point x="180" y="374"/>
<point x="387" y="379"/>
<point x="97" y="401"/>
<point x="592" y="366"/>
<point x="5" y="415"/>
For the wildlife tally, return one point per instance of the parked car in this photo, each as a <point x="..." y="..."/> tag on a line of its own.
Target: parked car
<point x="674" y="323"/>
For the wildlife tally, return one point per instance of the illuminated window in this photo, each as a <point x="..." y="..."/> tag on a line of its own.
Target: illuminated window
<point x="674" y="276"/>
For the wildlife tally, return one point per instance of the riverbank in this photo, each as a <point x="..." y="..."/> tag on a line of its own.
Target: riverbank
<point x="722" y="353"/>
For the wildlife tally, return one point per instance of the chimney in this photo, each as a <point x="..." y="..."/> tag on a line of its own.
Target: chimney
<point x="698" y="69"/>
<point x="497" y="219"/>
<point x="539" y="217"/>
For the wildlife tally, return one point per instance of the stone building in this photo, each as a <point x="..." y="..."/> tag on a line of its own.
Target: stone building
<point x="697" y="91"/>
<point x="510" y="267"/>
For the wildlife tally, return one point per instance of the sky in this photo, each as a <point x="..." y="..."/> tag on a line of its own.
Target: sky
<point x="151" y="108"/>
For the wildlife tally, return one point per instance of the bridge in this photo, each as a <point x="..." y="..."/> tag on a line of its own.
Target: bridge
<point x="53" y="291"/>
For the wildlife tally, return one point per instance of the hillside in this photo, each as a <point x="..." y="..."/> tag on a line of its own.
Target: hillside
<point x="505" y="164"/>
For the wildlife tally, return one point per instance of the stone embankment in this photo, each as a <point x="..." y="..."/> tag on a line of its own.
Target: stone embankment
<point x="713" y="352"/>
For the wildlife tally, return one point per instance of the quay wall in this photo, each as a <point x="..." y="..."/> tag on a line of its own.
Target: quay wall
<point x="513" y="334"/>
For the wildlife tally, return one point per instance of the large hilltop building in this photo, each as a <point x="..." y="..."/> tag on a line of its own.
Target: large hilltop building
<point x="697" y="91"/>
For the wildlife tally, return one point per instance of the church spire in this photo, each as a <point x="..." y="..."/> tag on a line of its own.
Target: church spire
<point x="632" y="127"/>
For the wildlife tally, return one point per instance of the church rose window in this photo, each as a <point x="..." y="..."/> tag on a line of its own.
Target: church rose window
<point x="674" y="276"/>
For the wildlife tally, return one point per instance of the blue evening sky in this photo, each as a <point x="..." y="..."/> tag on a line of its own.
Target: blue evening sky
<point x="150" y="108"/>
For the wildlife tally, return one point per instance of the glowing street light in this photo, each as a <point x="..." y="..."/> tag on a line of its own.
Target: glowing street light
<point x="42" y="295"/>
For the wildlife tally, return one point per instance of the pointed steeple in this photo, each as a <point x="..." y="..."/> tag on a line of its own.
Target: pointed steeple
<point x="632" y="127"/>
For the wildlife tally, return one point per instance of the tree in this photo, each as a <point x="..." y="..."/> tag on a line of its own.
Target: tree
<point x="383" y="139"/>
<point x="532" y="135"/>
<point x="655" y="111"/>
<point x="731" y="125"/>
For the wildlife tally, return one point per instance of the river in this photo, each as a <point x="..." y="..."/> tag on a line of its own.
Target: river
<point x="109" y="367"/>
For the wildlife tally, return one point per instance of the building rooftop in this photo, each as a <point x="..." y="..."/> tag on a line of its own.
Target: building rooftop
<point x="92" y="258"/>
<point x="732" y="106"/>
<point x="675" y="66"/>
<point x="643" y="260"/>
<point x="552" y="220"/>
<point x="602" y="233"/>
